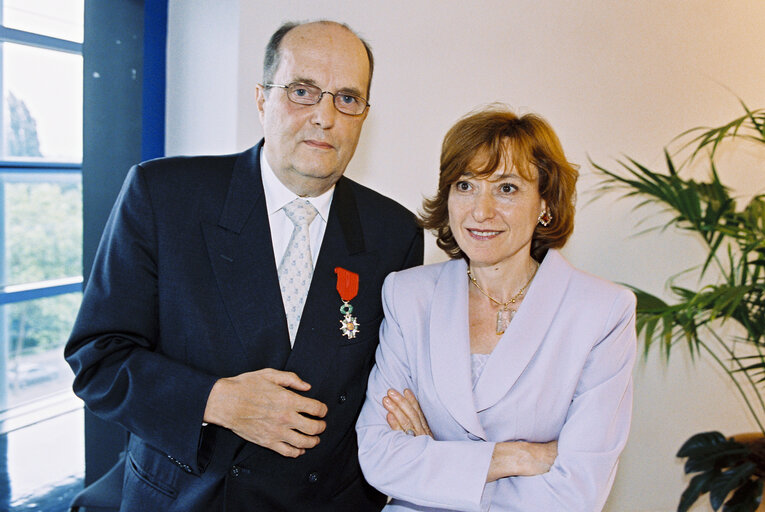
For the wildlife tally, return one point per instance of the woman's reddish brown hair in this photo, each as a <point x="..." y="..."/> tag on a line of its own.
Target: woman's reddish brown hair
<point x="534" y="150"/>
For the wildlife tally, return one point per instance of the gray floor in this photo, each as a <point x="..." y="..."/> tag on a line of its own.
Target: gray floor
<point x="42" y="464"/>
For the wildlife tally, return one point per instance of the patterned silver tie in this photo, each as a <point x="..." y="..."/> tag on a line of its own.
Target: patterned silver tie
<point x="296" y="267"/>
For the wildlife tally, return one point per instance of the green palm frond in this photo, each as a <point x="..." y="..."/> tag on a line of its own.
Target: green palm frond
<point x="699" y="207"/>
<point x="750" y="126"/>
<point x="734" y="262"/>
<point x="756" y="368"/>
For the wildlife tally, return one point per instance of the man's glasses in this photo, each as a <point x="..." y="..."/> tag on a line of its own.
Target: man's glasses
<point x="305" y="94"/>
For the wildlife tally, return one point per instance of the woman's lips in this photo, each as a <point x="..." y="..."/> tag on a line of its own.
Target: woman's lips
<point x="483" y="234"/>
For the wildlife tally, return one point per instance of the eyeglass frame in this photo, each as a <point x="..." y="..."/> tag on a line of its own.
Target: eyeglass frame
<point x="321" y="96"/>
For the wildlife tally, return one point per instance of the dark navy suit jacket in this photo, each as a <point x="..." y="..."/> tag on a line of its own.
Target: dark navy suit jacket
<point x="184" y="291"/>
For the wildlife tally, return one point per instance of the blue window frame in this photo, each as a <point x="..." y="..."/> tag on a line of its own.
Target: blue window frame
<point x="40" y="249"/>
<point x="40" y="202"/>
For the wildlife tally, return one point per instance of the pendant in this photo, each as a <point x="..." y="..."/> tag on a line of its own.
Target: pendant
<point x="504" y="317"/>
<point x="348" y="325"/>
<point x="348" y="288"/>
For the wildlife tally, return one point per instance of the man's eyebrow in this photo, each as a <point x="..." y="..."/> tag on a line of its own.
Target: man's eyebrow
<point x="344" y="90"/>
<point x="306" y="81"/>
<point x="351" y="90"/>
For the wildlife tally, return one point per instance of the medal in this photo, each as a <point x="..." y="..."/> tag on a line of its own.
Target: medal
<point x="348" y="288"/>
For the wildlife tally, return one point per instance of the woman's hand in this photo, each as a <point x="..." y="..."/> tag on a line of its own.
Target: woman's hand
<point x="404" y="413"/>
<point x="519" y="458"/>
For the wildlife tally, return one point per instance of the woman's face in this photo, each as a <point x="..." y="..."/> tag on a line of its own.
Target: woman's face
<point x="493" y="218"/>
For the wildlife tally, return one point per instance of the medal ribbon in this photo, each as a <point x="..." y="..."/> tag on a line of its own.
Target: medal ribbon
<point x="347" y="284"/>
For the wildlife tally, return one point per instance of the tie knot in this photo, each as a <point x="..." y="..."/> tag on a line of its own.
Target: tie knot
<point x="300" y="212"/>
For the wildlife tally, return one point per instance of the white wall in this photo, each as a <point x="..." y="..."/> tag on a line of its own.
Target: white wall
<point x="202" y="77"/>
<point x="613" y="78"/>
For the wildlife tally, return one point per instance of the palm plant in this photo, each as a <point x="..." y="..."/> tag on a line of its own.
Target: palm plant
<point x="734" y="238"/>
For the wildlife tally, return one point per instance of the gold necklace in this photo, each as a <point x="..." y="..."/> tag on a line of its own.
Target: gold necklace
<point x="505" y="314"/>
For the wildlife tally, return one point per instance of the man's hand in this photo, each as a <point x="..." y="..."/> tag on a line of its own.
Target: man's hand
<point x="259" y="407"/>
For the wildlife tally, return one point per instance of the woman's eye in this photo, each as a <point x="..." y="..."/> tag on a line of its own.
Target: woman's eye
<point x="462" y="186"/>
<point x="507" y="188"/>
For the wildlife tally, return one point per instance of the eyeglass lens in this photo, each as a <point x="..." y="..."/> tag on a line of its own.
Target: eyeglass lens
<point x="305" y="94"/>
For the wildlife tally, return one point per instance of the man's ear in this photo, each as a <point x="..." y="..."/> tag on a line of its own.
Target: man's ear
<point x="260" y="99"/>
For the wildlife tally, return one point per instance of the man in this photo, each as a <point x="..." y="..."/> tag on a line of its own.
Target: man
<point x="190" y="333"/>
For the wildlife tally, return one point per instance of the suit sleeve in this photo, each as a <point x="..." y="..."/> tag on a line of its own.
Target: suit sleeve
<point x="119" y="372"/>
<point x="422" y="470"/>
<point x="596" y="426"/>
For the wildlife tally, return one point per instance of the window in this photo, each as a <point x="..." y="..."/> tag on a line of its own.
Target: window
<point x="40" y="220"/>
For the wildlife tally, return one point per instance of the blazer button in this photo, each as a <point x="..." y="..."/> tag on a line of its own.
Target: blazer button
<point x="313" y="477"/>
<point x="235" y="471"/>
<point x="342" y="398"/>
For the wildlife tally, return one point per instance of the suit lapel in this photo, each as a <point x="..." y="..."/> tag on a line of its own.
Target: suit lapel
<point x="319" y="336"/>
<point x="450" y="346"/>
<point x="241" y="253"/>
<point x="525" y="334"/>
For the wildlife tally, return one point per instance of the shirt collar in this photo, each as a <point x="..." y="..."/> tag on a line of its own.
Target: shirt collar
<point x="278" y="195"/>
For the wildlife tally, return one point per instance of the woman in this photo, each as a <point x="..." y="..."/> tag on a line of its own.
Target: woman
<point x="515" y="367"/>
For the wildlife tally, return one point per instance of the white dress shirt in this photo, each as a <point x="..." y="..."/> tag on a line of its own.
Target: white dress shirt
<point x="277" y="196"/>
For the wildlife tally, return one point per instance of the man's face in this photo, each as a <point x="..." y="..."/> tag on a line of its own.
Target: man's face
<point x="309" y="146"/>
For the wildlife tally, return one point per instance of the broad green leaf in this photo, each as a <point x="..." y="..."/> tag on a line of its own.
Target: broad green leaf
<point x="698" y="485"/>
<point x="728" y="481"/>
<point x="746" y="498"/>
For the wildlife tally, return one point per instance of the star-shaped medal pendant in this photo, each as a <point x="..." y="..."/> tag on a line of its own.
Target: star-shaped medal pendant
<point x="348" y="325"/>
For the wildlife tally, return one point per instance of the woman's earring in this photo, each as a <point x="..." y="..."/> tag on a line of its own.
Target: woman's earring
<point x="545" y="217"/>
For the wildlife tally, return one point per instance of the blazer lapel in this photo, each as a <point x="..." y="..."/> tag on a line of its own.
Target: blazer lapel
<point x="450" y="346"/>
<point x="319" y="336"/>
<point x="525" y="334"/>
<point x="240" y="249"/>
